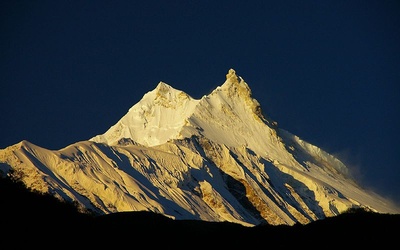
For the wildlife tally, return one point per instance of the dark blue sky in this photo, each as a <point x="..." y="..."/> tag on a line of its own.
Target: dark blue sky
<point x="327" y="71"/>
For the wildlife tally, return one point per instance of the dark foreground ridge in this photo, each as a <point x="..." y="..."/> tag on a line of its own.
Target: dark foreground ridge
<point x="31" y="219"/>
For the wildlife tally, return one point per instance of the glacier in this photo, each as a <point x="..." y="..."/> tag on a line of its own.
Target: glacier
<point x="217" y="158"/>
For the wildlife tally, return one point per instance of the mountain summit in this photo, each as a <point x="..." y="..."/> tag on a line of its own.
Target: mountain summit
<point x="217" y="158"/>
<point x="166" y="113"/>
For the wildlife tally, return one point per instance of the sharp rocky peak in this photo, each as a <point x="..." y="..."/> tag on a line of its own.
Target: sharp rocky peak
<point x="236" y="86"/>
<point x="233" y="77"/>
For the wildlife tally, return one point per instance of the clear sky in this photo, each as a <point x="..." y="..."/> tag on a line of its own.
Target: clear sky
<point x="327" y="71"/>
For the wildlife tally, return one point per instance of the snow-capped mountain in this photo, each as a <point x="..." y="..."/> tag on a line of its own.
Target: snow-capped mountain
<point x="217" y="158"/>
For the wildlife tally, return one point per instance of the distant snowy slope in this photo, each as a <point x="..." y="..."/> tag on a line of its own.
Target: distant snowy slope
<point x="218" y="158"/>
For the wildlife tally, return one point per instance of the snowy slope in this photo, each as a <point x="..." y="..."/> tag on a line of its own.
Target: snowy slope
<point x="155" y="119"/>
<point x="214" y="159"/>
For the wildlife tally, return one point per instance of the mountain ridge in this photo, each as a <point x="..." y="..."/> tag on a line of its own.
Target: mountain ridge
<point x="217" y="158"/>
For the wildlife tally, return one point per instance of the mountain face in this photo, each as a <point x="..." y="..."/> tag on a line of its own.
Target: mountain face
<point x="217" y="158"/>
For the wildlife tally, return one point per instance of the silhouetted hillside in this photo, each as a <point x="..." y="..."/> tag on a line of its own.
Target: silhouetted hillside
<point x="21" y="205"/>
<point x="39" y="218"/>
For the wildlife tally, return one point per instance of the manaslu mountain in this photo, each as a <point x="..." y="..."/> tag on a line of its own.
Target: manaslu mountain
<point x="216" y="159"/>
